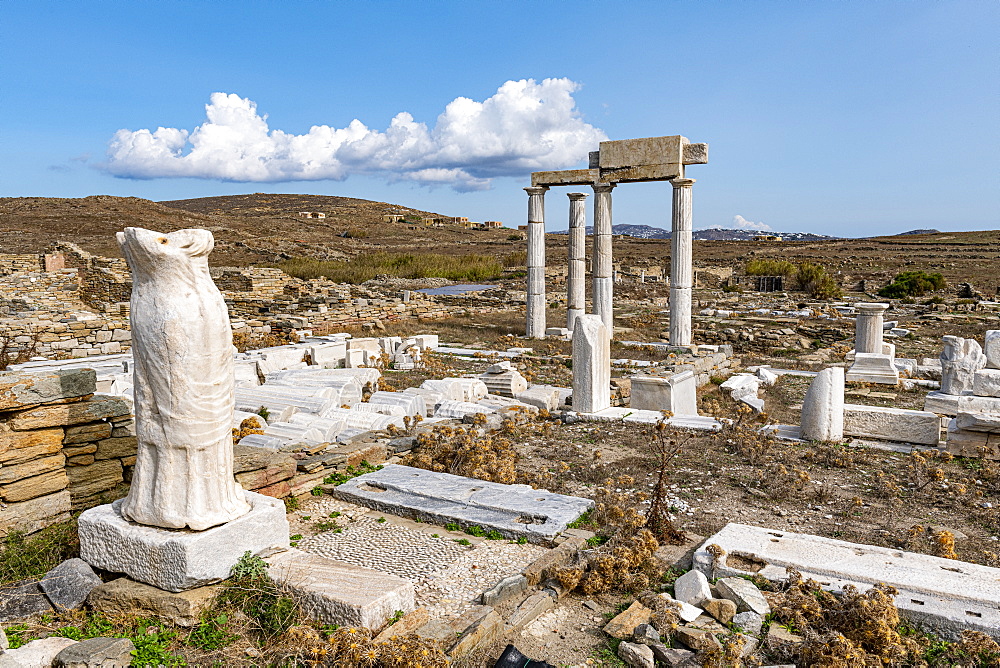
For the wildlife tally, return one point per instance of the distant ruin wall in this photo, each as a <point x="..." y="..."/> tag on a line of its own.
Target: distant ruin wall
<point x="13" y="264"/>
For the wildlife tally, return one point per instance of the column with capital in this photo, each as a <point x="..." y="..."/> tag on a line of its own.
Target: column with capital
<point x="576" y="287"/>
<point x="535" y="325"/>
<point x="681" y="275"/>
<point x="603" y="285"/>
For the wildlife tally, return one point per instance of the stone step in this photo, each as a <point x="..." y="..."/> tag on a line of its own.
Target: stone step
<point x="946" y="594"/>
<point x="336" y="592"/>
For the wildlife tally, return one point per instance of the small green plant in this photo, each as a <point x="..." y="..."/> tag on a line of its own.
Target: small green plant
<point x="494" y="535"/>
<point x="326" y="525"/>
<point x="435" y="535"/>
<point x="263" y="412"/>
<point x="152" y="643"/>
<point x="463" y="541"/>
<point x="316" y="491"/>
<point x="291" y="504"/>
<point x="297" y="536"/>
<point x="396" y="616"/>
<point x="15" y="635"/>
<point x="211" y="633"/>
<point x="452" y="526"/>
<point x="582" y="521"/>
<point x="476" y="531"/>
<point x="522" y="540"/>
<point x="252" y="592"/>
<point x="334" y="514"/>
<point x="351" y="472"/>
<point x="381" y="520"/>
<point x="23" y="556"/>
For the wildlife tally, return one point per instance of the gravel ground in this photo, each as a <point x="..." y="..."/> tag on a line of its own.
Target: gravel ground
<point x="447" y="575"/>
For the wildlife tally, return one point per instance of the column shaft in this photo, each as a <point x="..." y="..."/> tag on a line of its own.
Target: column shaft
<point x="868" y="328"/>
<point x="576" y="287"/>
<point x="535" y="311"/>
<point x="681" y="275"/>
<point x="603" y="286"/>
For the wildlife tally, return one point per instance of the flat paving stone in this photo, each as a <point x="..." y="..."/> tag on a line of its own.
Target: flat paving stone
<point x="336" y="592"/>
<point x="511" y="510"/>
<point x="945" y="594"/>
<point x="636" y="415"/>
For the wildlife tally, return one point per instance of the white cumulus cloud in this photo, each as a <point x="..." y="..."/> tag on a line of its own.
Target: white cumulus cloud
<point x="741" y="223"/>
<point x="525" y="126"/>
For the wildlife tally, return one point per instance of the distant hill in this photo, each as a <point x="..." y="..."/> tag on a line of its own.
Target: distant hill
<point x="649" y="232"/>
<point x="903" y="234"/>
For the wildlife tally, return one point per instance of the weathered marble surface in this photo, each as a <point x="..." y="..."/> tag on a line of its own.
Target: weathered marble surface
<point x="183" y="351"/>
<point x="960" y="360"/>
<point x="823" y="407"/>
<point x="591" y="365"/>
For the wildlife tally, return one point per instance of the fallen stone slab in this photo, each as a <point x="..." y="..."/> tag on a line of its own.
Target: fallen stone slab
<point x="624" y="624"/>
<point x="744" y="594"/>
<point x="176" y="560"/>
<point x="945" y="594"/>
<point x="336" y="592"/>
<point x="616" y="414"/>
<point x="68" y="584"/>
<point x="892" y="424"/>
<point x="978" y="422"/>
<point x="531" y="609"/>
<point x="953" y="404"/>
<point x="636" y="655"/>
<point x="96" y="653"/>
<point x="512" y="510"/>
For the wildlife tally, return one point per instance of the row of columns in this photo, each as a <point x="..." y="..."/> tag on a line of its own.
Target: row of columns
<point x="681" y="273"/>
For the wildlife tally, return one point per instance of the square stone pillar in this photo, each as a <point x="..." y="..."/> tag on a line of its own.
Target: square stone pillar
<point x="681" y="274"/>
<point x="603" y="292"/>
<point x="591" y="365"/>
<point x="576" y="287"/>
<point x="535" y="310"/>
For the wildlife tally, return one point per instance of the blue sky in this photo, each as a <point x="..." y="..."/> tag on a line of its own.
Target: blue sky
<point x="843" y="118"/>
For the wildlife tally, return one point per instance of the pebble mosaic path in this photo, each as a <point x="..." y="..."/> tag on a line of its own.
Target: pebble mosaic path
<point x="447" y="576"/>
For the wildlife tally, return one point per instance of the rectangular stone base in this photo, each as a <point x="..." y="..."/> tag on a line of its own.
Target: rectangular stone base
<point x="873" y="368"/>
<point x="335" y="592"/>
<point x="177" y="559"/>
<point x="968" y="443"/>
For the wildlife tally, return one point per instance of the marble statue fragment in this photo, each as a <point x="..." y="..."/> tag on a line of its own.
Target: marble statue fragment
<point x="183" y="348"/>
<point x="960" y="360"/>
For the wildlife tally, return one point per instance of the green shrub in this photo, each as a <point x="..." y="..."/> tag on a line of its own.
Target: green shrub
<point x="912" y="284"/>
<point x="398" y="265"/>
<point x="252" y="592"/>
<point x="769" y="268"/>
<point x="813" y="279"/>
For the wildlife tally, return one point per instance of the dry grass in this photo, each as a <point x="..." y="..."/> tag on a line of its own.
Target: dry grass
<point x="397" y="265"/>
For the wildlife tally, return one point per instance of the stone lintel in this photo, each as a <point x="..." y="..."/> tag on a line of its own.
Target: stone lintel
<point x="565" y="177"/>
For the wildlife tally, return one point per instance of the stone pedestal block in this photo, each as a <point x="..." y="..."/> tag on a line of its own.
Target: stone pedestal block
<point x="823" y="407"/>
<point x="892" y="424"/>
<point x="873" y="368"/>
<point x="176" y="560"/>
<point x="677" y="393"/>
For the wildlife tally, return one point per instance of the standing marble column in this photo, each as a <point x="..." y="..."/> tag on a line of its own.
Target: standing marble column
<point x="576" y="287"/>
<point x="868" y="327"/>
<point x="681" y="279"/>
<point x="603" y="283"/>
<point x="535" y="326"/>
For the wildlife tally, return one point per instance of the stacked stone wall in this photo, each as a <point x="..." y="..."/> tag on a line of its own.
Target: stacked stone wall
<point x="18" y="263"/>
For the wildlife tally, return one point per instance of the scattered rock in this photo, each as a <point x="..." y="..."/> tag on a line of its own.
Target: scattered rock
<point x="779" y="635"/>
<point x="22" y="600"/>
<point x="35" y="654"/>
<point x="750" y="622"/>
<point x="692" y="587"/>
<point x="531" y="609"/>
<point x="505" y="590"/>
<point x="623" y="626"/>
<point x="68" y="584"/>
<point x="686" y="611"/>
<point x="696" y="639"/>
<point x="645" y="634"/>
<point x="744" y="594"/>
<point x="591" y="605"/>
<point x="96" y="653"/>
<point x="408" y="623"/>
<point x="636" y="655"/>
<point x="722" y="609"/>
<point x="673" y="657"/>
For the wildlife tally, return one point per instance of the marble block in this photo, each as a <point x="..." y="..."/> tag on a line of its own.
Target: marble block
<point x="336" y="592"/>
<point x="179" y="559"/>
<point x="991" y="348"/>
<point x="591" y="365"/>
<point x="677" y="393"/>
<point x="892" y="424"/>
<point x="873" y="368"/>
<point x="960" y="360"/>
<point x="823" y="407"/>
<point x="953" y="404"/>
<point x="986" y="383"/>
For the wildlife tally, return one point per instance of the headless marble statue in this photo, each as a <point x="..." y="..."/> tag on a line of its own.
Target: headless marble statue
<point x="182" y="344"/>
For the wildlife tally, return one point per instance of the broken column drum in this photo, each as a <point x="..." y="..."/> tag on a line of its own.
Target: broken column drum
<point x="681" y="274"/>
<point x="576" y="287"/>
<point x="535" y="310"/>
<point x="868" y="328"/>
<point x="823" y="407"/>
<point x="182" y="344"/>
<point x="603" y="290"/>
